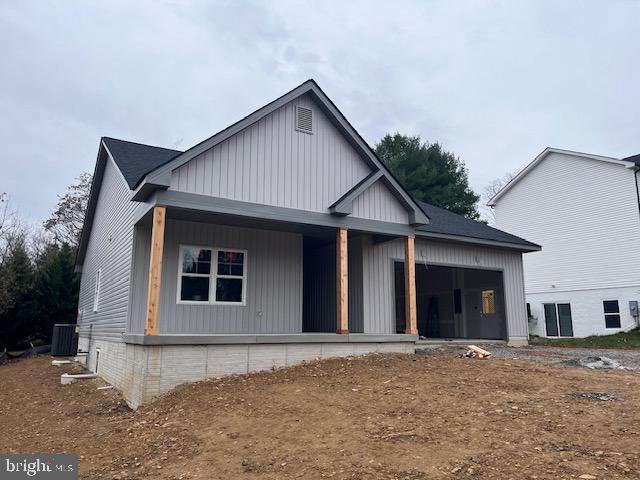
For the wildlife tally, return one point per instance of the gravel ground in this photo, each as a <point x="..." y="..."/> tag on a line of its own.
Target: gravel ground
<point x="560" y="356"/>
<point x="574" y="357"/>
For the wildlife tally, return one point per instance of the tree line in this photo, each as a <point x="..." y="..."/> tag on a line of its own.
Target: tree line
<point x="38" y="286"/>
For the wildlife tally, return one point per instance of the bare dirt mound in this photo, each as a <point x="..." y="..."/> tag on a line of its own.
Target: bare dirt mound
<point x="380" y="416"/>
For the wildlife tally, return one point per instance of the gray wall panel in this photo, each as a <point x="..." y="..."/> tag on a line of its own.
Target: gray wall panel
<point x="274" y="282"/>
<point x="378" y="203"/>
<point x="379" y="283"/>
<point x="109" y="249"/>
<point x="140" y="278"/>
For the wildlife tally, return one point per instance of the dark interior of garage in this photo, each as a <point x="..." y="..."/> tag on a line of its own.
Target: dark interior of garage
<point x="454" y="302"/>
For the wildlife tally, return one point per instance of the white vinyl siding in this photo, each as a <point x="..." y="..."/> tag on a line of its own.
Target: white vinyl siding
<point x="585" y="215"/>
<point x="108" y="250"/>
<point x="96" y="291"/>
<point x="587" y="309"/>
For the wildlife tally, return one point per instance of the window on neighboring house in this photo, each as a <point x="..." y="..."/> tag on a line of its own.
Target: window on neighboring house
<point x="96" y="291"/>
<point x="611" y="313"/>
<point x="223" y="283"/>
<point x="488" y="301"/>
<point x="558" y="319"/>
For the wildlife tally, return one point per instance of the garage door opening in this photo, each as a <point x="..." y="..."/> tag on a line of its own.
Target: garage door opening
<point x="454" y="302"/>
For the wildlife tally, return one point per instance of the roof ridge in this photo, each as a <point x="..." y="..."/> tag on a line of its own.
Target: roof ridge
<point x="139" y="143"/>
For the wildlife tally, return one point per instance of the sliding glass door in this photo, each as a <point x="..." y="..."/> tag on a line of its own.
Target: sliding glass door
<point x="557" y="318"/>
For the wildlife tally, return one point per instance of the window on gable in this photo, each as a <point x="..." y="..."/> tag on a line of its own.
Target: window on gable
<point x="96" y="291"/>
<point x="611" y="313"/>
<point x="222" y="283"/>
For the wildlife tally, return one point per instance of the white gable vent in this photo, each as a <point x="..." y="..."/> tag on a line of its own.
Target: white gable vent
<point x="304" y="119"/>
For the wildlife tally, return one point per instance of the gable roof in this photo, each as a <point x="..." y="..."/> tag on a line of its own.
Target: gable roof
<point x="160" y="177"/>
<point x="344" y="205"/>
<point x="629" y="162"/>
<point x="136" y="160"/>
<point x="146" y="168"/>
<point x="449" y="223"/>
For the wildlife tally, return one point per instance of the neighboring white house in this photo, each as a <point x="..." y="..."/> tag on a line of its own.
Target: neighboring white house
<point x="584" y="211"/>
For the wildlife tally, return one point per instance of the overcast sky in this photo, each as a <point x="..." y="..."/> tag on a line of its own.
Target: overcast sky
<point x="495" y="82"/>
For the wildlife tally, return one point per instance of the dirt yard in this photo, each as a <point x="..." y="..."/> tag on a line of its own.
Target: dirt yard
<point x="391" y="416"/>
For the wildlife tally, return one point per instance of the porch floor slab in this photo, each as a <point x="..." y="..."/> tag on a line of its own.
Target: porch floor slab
<point x="234" y="339"/>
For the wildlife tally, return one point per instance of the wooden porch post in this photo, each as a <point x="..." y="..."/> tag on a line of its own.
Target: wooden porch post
<point x="342" y="282"/>
<point x="155" y="270"/>
<point x="410" y="285"/>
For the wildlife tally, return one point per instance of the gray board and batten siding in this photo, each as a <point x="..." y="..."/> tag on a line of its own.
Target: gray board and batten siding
<point x="277" y="293"/>
<point x="378" y="278"/>
<point x="268" y="164"/>
<point x="109" y="249"/>
<point x="274" y="281"/>
<point x="272" y="163"/>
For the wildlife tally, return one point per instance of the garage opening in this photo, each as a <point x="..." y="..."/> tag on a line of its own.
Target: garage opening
<point x="454" y="302"/>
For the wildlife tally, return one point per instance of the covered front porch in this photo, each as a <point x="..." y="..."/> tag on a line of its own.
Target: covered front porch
<point x="202" y="277"/>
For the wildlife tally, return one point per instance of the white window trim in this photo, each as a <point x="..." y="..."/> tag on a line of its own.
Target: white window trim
<point x="212" y="276"/>
<point x="544" y="318"/>
<point x="604" y="313"/>
<point x="96" y="290"/>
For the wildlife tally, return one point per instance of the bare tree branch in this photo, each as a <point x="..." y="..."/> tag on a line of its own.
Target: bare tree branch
<point x="11" y="228"/>
<point x="487" y="213"/>
<point x="65" y="223"/>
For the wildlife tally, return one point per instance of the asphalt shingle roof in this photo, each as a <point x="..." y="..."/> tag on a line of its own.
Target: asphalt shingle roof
<point x="446" y="222"/>
<point x="135" y="160"/>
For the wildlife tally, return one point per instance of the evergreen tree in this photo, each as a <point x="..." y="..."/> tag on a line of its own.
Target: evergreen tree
<point x="55" y="291"/>
<point x="429" y="173"/>
<point x="16" y="316"/>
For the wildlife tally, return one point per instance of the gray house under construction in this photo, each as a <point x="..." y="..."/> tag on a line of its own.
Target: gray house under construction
<point x="280" y="239"/>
